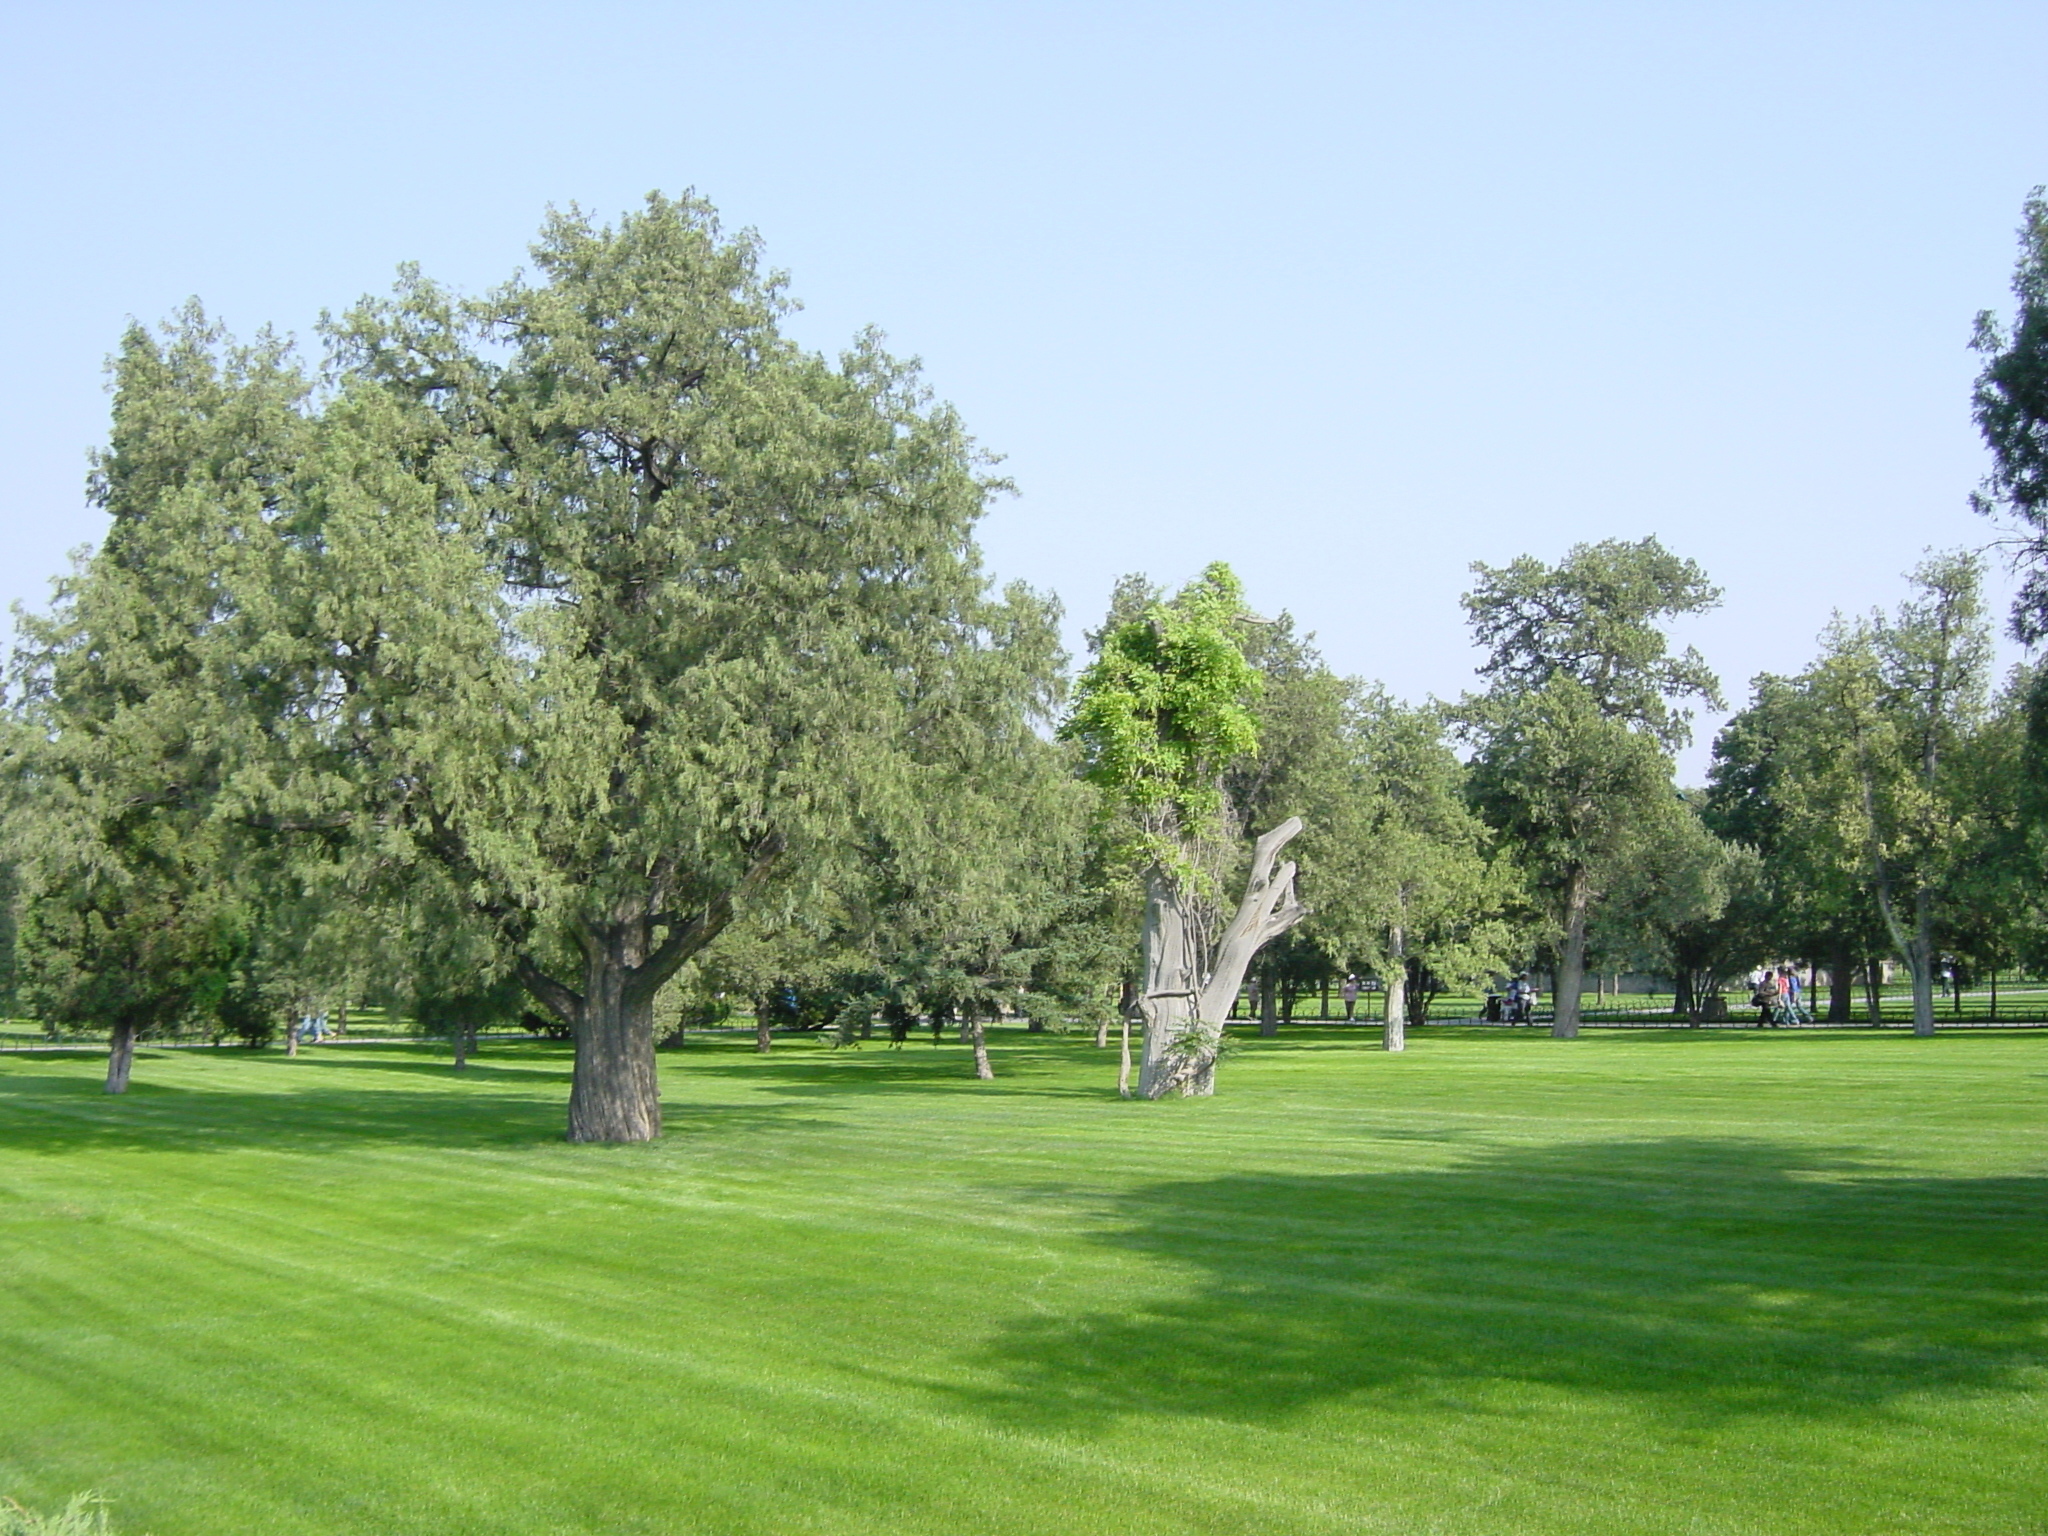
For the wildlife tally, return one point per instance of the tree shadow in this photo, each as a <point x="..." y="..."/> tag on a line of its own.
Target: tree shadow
<point x="329" y="1105"/>
<point x="1708" y="1278"/>
<point x="916" y="1067"/>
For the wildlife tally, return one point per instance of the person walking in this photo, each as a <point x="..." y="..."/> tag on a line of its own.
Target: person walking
<point x="1792" y="1009"/>
<point x="1766" y="999"/>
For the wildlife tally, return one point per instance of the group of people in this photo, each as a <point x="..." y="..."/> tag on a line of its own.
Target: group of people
<point x="1778" y="997"/>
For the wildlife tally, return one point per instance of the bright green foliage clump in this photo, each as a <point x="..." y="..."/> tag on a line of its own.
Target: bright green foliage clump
<point x="1166" y="706"/>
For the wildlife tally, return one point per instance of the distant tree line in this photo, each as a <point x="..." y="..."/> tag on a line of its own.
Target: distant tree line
<point x="589" y="653"/>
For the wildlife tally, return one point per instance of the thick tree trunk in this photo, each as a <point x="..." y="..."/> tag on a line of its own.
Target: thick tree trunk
<point x="1841" y="984"/>
<point x="1184" y="1009"/>
<point x="291" y="1036"/>
<point x="1685" y="1002"/>
<point x="614" y="1095"/>
<point x="120" y="1057"/>
<point x="979" y="1041"/>
<point x="1395" y="1036"/>
<point x="1170" y="986"/>
<point x="1571" y="962"/>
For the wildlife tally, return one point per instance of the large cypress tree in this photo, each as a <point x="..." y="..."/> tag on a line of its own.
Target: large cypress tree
<point x="605" y="599"/>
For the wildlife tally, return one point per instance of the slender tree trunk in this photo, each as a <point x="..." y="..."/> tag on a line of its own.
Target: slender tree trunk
<point x="1126" y="1005"/>
<point x="1571" y="962"/>
<point x="1873" y="989"/>
<point x="1325" y="1015"/>
<point x="1994" y="997"/>
<point x="1921" y="958"/>
<point x="979" y="1041"/>
<point x="291" y="1036"/>
<point x="120" y="1057"/>
<point x="1269" y="1008"/>
<point x="1394" y="1037"/>
<point x="1123" y="1071"/>
<point x="1685" y="996"/>
<point x="1841" y="984"/>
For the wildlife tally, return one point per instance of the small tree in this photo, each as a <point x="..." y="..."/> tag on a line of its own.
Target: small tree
<point x="1160" y="714"/>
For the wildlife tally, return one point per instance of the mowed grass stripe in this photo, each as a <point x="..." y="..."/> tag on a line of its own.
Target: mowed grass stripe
<point x="1683" y="1283"/>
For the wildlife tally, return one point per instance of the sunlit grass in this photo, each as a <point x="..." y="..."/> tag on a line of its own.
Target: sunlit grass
<point x="1670" y="1282"/>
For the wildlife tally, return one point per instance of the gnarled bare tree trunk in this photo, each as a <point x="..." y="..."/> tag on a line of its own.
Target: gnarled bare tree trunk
<point x="1188" y="995"/>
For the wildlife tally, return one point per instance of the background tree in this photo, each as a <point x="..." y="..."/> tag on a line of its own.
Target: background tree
<point x="1582" y="712"/>
<point x="1897" y="698"/>
<point x="2011" y="409"/>
<point x="1160" y="715"/>
<point x="124" y="749"/>
<point x="1689" y="905"/>
<point x="1816" y="900"/>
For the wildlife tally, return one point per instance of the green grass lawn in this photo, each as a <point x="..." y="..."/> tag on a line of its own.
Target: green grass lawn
<point x="1693" y="1282"/>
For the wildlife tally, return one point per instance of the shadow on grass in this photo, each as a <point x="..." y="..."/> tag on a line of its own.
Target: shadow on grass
<point x="323" y="1104"/>
<point x="812" y="1068"/>
<point x="1709" y="1278"/>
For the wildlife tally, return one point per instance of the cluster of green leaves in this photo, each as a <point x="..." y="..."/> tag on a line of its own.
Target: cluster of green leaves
<point x="1165" y="707"/>
<point x="2011" y="409"/>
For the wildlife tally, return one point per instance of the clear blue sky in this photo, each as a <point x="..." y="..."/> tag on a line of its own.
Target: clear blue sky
<point x="1349" y="296"/>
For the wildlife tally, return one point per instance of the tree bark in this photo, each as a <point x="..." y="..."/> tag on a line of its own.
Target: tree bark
<point x="614" y="1094"/>
<point x="1269" y="1008"/>
<point x="1571" y="962"/>
<point x="1921" y="959"/>
<point x="1395" y="1036"/>
<point x="1841" y="984"/>
<point x="1873" y="990"/>
<point x="120" y="1057"/>
<point x="1184" y="1009"/>
<point x="979" y="1041"/>
<point x="764" y="1026"/>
